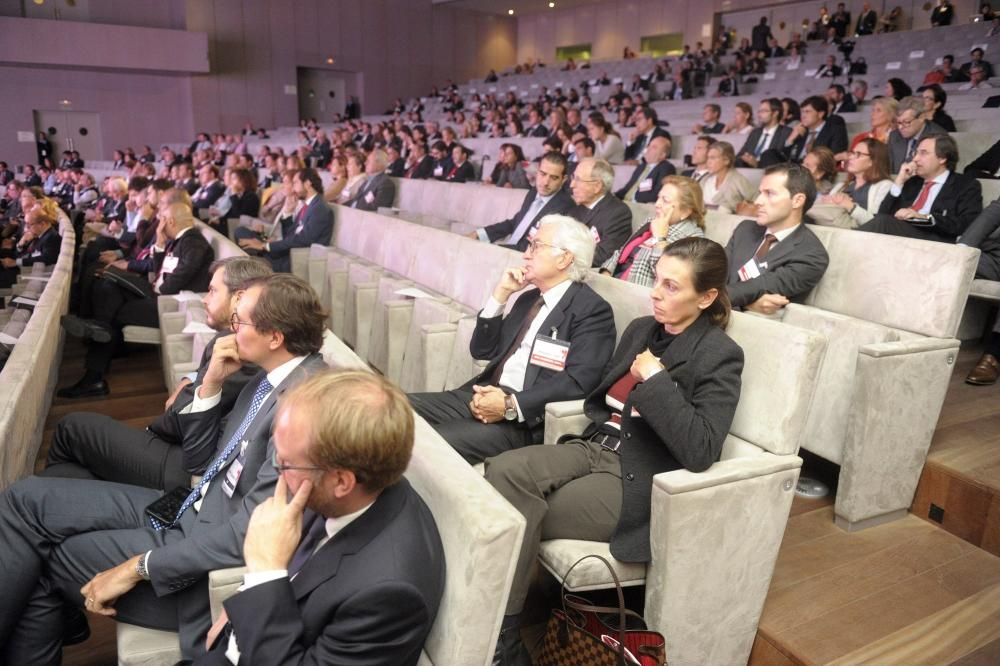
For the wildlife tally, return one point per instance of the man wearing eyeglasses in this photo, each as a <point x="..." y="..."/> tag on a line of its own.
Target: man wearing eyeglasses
<point x="911" y="129"/>
<point x="552" y="346"/>
<point x="325" y="581"/>
<point x="607" y="217"/>
<point x="112" y="548"/>
<point x="40" y="244"/>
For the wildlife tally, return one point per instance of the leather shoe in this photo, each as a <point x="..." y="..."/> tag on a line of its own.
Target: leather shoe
<point x="87" y="329"/>
<point x="986" y="372"/>
<point x="510" y="650"/>
<point x="84" y="389"/>
<point x="76" y="629"/>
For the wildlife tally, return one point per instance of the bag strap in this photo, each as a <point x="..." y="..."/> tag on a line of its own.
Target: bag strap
<point x="621" y="600"/>
<point x="580" y="604"/>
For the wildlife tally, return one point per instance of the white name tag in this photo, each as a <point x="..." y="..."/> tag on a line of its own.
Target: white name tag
<point x="234" y="471"/>
<point x="549" y="353"/>
<point x="370" y="197"/>
<point x="646" y="185"/>
<point x="595" y="234"/>
<point x="749" y="270"/>
<point x="438" y="170"/>
<point x="298" y="228"/>
<point x="170" y="264"/>
<point x="36" y="253"/>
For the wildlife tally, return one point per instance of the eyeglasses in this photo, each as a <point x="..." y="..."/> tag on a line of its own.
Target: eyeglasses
<point x="535" y="244"/>
<point x="855" y="153"/>
<point x="281" y="467"/>
<point x="905" y="123"/>
<point x="235" y="323"/>
<point x="583" y="180"/>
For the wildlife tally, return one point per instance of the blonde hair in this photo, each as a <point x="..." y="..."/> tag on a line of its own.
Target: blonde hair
<point x="690" y="196"/>
<point x="358" y="421"/>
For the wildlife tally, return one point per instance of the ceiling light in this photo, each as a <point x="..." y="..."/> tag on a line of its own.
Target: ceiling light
<point x="329" y="60"/>
<point x="510" y="12"/>
<point x="552" y="5"/>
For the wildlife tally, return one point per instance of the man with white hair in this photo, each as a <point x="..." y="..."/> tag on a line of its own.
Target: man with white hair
<point x="379" y="190"/>
<point x="609" y="220"/>
<point x="552" y="346"/>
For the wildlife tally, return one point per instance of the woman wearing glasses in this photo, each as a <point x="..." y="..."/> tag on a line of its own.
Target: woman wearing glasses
<point x="666" y="402"/>
<point x="868" y="183"/>
<point x="883" y="118"/>
<point x="680" y="213"/>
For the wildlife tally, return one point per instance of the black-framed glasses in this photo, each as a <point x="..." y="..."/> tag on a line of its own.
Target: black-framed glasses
<point x="282" y="467"/>
<point x="235" y="323"/>
<point x="535" y="244"/>
<point x="855" y="153"/>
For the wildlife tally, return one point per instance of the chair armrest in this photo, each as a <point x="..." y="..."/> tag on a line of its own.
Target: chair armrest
<point x="172" y="323"/>
<point x="913" y="346"/>
<point x="438" y="341"/>
<point x="223" y="584"/>
<point x="564" y="418"/>
<point x="300" y="262"/>
<point x="724" y="472"/>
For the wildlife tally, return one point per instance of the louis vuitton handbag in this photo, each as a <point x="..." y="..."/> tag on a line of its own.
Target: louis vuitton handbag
<point x="581" y="634"/>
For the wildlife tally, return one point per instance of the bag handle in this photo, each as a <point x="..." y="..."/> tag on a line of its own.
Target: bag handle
<point x="621" y="601"/>
<point x="580" y="604"/>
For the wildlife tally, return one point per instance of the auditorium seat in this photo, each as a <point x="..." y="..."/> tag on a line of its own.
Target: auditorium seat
<point x="715" y="535"/>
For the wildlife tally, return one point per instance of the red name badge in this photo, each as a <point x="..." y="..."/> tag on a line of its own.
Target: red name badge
<point x="549" y="353"/>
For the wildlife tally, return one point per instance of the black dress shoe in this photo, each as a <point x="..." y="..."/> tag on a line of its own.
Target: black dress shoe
<point x="510" y="650"/>
<point x="84" y="389"/>
<point x="87" y="329"/>
<point x="76" y="629"/>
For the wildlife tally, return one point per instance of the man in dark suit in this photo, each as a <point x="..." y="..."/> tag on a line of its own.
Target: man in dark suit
<point x="867" y="20"/>
<point x="325" y="581"/>
<point x="94" y="446"/>
<point x="645" y="182"/>
<point x="765" y="142"/>
<point x="210" y="191"/>
<point x="911" y="129"/>
<point x="419" y="164"/>
<point x="552" y="346"/>
<point x="840" y="20"/>
<point x="547" y="198"/>
<point x="58" y="534"/>
<point x="647" y="128"/>
<point x="760" y="35"/>
<point x="185" y="178"/>
<point x="397" y="165"/>
<point x="986" y="165"/>
<point x="313" y="223"/>
<point x="40" y="244"/>
<point x="776" y="259"/>
<point x="379" y="191"/>
<point x="982" y="233"/>
<point x="180" y="259"/>
<point x="710" y="123"/>
<point x="609" y="219"/>
<point x="929" y="200"/>
<point x="534" y="127"/>
<point x="818" y="128"/>
<point x="839" y="100"/>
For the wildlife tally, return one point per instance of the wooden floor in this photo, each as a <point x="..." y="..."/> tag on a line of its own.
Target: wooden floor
<point x="910" y="592"/>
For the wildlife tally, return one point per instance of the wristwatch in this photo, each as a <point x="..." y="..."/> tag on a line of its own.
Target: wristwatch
<point x="510" y="411"/>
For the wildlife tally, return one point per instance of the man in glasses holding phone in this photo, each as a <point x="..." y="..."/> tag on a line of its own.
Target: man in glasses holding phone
<point x="552" y="346"/>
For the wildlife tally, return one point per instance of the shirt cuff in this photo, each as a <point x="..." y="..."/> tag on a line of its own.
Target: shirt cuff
<point x="253" y="579"/>
<point x="267" y="247"/>
<point x="200" y="404"/>
<point x="652" y="374"/>
<point x="895" y="190"/>
<point x="191" y="376"/>
<point x="482" y="235"/>
<point x="493" y="308"/>
<point x="520" y="416"/>
<point x="158" y="249"/>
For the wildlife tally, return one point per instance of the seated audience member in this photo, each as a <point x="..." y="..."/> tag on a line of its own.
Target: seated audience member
<point x="312" y="222"/>
<point x="108" y="555"/>
<point x="609" y="220"/>
<point x="243" y="199"/>
<point x="977" y="79"/>
<point x="883" y="120"/>
<point x="583" y="147"/>
<point x="981" y="234"/>
<point x="185" y="178"/>
<point x="710" y="123"/>
<point x="818" y="128"/>
<point x="548" y="197"/>
<point x="338" y="171"/>
<point x="699" y="157"/>
<point x="180" y="259"/>
<point x="666" y="401"/>
<point x="935" y="98"/>
<point x="646" y="129"/>
<point x="986" y="165"/>
<point x="378" y="190"/>
<point x="729" y="85"/>
<point x="461" y="168"/>
<point x="946" y="72"/>
<point x="607" y="142"/>
<point x="791" y="112"/>
<point x="897" y="89"/>
<point x="775" y="258"/>
<point x="552" y="346"/>
<point x="942" y="14"/>
<point x="419" y="164"/>
<point x="356" y="177"/>
<point x="839" y="100"/>
<point x="829" y="68"/>
<point x="867" y="186"/>
<point x="859" y="92"/>
<point x="763" y="145"/>
<point x="39" y="244"/>
<point x="441" y="164"/>
<point x="867" y="20"/>
<point x="325" y="580"/>
<point x="680" y="212"/>
<point x="397" y="165"/>
<point x="822" y="165"/>
<point x="911" y="129"/>
<point x="210" y="191"/>
<point x="742" y="122"/>
<point x="94" y="446"/>
<point x="724" y="188"/>
<point x="644" y="184"/>
<point x="509" y="170"/>
<point x="929" y="200"/>
<point x="976" y="58"/>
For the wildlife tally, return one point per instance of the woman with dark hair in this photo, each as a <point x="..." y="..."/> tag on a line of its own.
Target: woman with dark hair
<point x="897" y="89"/>
<point x="790" y="112"/>
<point x="509" y="171"/>
<point x="868" y="184"/>
<point x="608" y="142"/>
<point x="935" y="98"/>
<point x="243" y="198"/>
<point x="821" y="163"/>
<point x="666" y="402"/>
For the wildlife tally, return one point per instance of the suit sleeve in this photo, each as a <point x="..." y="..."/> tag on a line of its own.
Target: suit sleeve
<point x="384" y="625"/>
<point x="614" y="235"/>
<point x="791" y="279"/>
<point x="194" y="262"/>
<point x="967" y="208"/>
<point x="505" y="228"/>
<point x="983" y="226"/>
<point x="986" y="164"/>
<point x="318" y="228"/>
<point x="385" y="194"/>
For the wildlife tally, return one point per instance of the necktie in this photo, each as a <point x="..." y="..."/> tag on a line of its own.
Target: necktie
<point x="630" y="195"/>
<point x="765" y="247"/>
<point x="909" y="150"/>
<point x="810" y="140"/>
<point x="925" y="192"/>
<point x="760" y="144"/>
<point x="526" y="221"/>
<point x="536" y="307"/>
<point x="258" y="399"/>
<point x="313" y="531"/>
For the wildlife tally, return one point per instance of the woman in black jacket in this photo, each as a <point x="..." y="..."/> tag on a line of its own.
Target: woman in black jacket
<point x="244" y="199"/>
<point x="666" y="402"/>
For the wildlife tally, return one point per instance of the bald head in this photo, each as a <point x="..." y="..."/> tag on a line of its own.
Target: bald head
<point x="657" y="150"/>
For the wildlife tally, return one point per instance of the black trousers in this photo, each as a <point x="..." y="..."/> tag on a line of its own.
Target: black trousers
<point x="94" y="446"/>
<point x="887" y="224"/>
<point x="448" y="413"/>
<point x="116" y="307"/>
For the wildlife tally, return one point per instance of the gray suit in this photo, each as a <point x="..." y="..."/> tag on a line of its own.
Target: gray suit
<point x="898" y="145"/>
<point x="58" y="533"/>
<point x="380" y="189"/>
<point x="983" y="233"/>
<point x="794" y="265"/>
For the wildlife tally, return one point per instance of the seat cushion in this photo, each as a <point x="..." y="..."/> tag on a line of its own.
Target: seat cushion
<point x="143" y="335"/>
<point x="148" y="647"/>
<point x="558" y="555"/>
<point x="988" y="289"/>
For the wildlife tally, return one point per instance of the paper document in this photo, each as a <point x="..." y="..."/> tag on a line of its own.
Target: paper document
<point x="25" y="300"/>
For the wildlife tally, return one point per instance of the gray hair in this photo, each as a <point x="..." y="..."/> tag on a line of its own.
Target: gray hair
<point x="605" y="173"/>
<point x="239" y="270"/>
<point x="859" y="83"/>
<point x="381" y="159"/>
<point x="575" y="238"/>
<point x="911" y="103"/>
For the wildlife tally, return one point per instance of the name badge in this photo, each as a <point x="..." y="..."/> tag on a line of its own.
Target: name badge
<point x="170" y="264"/>
<point x="298" y="228"/>
<point x="234" y="471"/>
<point x="438" y="170"/>
<point x="749" y="270"/>
<point x="596" y="234"/>
<point x="36" y="253"/>
<point x="370" y="197"/>
<point x="549" y="353"/>
<point x="646" y="185"/>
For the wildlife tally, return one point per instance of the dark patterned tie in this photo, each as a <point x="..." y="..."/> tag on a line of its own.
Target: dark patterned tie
<point x="313" y="531"/>
<point x="536" y="307"/>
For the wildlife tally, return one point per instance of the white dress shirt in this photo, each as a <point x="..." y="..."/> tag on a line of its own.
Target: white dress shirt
<point x="935" y="190"/>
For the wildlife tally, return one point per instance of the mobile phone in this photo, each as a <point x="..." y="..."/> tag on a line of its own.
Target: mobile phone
<point x="166" y="507"/>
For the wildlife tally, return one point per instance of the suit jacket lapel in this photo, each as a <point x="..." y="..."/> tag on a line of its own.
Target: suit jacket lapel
<point x="779" y="250"/>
